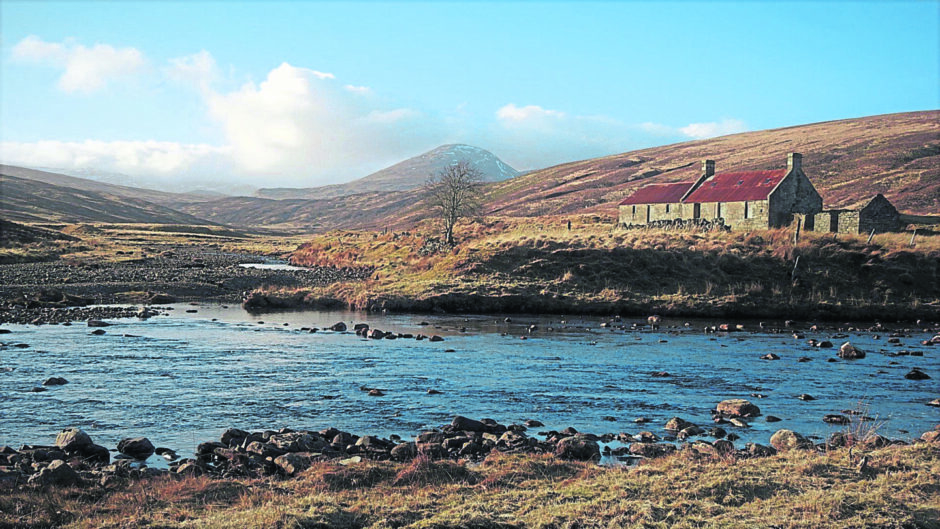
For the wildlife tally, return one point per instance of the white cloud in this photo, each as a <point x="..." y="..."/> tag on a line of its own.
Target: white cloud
<point x="303" y="125"/>
<point x="724" y="127"/>
<point x="85" y="69"/>
<point x="138" y="158"/>
<point x="527" y="115"/>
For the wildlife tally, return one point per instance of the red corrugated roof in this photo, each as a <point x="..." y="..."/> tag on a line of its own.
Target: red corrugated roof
<point x="658" y="194"/>
<point x="734" y="187"/>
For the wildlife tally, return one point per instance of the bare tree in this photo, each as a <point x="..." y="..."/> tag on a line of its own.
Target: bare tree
<point x="454" y="193"/>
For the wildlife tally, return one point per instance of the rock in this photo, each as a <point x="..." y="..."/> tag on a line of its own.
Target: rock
<point x="933" y="436"/>
<point x="772" y="418"/>
<point x="532" y="423"/>
<point x="676" y="424"/>
<point x="435" y="338"/>
<point x="57" y="474"/>
<point x="465" y="424"/>
<point x="825" y="344"/>
<point x="190" y="468"/>
<point x="784" y="440"/>
<point x="136" y="447"/>
<point x="338" y="327"/>
<point x="376" y="393"/>
<point x="738" y="408"/>
<point x="717" y="432"/>
<point x="433" y="391"/>
<point x="577" y="448"/>
<point x="735" y="421"/>
<point x="835" y="418"/>
<point x="293" y="464"/>
<point x="850" y="352"/>
<point x="95" y="454"/>
<point x="98" y="332"/>
<point x="805" y="397"/>
<point x="72" y="440"/>
<point x="376" y="334"/>
<point x="160" y="299"/>
<point x="758" y="450"/>
<point x="935" y="403"/>
<point x="233" y="437"/>
<point x="651" y="450"/>
<point x="404" y="452"/>
<point x="916" y="374"/>
<point x="770" y="356"/>
<point x="55" y="381"/>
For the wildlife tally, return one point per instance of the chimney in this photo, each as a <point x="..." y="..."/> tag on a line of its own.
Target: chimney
<point x="794" y="162"/>
<point x="708" y="168"/>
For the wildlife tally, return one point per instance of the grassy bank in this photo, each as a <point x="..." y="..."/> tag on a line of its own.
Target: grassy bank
<point x="796" y="489"/>
<point x="538" y="265"/>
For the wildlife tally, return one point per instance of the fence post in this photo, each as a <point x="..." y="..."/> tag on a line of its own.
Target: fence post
<point x="870" y="237"/>
<point x="796" y="234"/>
<point x="913" y="235"/>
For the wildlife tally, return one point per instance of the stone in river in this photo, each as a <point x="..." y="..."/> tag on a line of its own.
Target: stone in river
<point x="850" y="352"/>
<point x="738" y="408"/>
<point x="55" y="381"/>
<point x="338" y="327"/>
<point x="578" y="448"/>
<point x="72" y="439"/>
<point x="917" y="374"/>
<point x="136" y="447"/>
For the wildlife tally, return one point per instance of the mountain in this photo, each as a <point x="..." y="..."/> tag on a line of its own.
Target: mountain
<point x="163" y="198"/>
<point x="29" y="200"/>
<point x="409" y="174"/>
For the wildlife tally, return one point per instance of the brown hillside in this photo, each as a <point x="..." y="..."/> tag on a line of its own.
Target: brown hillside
<point x="848" y="161"/>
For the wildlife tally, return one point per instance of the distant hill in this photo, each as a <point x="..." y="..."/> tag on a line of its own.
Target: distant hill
<point x="409" y="174"/>
<point x="163" y="198"/>
<point x="28" y="200"/>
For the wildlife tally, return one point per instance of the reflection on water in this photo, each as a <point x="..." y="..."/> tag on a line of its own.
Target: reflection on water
<point x="183" y="378"/>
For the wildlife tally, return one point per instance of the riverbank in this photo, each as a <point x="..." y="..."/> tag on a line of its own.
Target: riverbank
<point x="540" y="266"/>
<point x="873" y="484"/>
<point x="47" y="292"/>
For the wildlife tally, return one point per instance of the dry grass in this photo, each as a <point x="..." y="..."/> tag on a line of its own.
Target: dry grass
<point x="792" y="490"/>
<point x="503" y="263"/>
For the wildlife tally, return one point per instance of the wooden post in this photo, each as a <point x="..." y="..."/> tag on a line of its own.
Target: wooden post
<point x="870" y="237"/>
<point x="913" y="235"/>
<point x="796" y="234"/>
<point x="795" y="264"/>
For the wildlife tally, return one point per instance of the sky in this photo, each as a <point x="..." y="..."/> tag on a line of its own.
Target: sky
<point x="179" y="95"/>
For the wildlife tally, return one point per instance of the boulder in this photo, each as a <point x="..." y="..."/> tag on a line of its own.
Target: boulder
<point x="55" y="381"/>
<point x="651" y="450"/>
<point x="95" y="454"/>
<point x="770" y="356"/>
<point x="72" y="440"/>
<point x="935" y="403"/>
<point x="136" y="447"/>
<point x="435" y="338"/>
<point x="461" y="423"/>
<point x="758" y="450"/>
<point x="376" y="334"/>
<point x="677" y="423"/>
<point x="933" y="436"/>
<point x="293" y="464"/>
<point x="578" y="448"/>
<point x="404" y="452"/>
<point x="57" y="474"/>
<point x="784" y="440"/>
<point x="233" y="437"/>
<point x="338" y="327"/>
<point x="916" y="374"/>
<point x="850" y="352"/>
<point x="738" y="408"/>
<point x="835" y="418"/>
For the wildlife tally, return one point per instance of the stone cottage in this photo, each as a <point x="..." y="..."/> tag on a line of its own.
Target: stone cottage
<point x="743" y="200"/>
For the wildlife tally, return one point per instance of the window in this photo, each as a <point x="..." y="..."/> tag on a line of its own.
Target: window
<point x="747" y="211"/>
<point x="634" y="211"/>
<point x="667" y="208"/>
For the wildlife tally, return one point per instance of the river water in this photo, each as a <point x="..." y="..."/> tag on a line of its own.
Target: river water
<point x="183" y="377"/>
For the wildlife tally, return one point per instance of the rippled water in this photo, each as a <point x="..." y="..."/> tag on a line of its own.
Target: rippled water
<point x="184" y="377"/>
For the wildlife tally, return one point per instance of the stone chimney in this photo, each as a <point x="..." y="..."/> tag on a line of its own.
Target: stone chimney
<point x="794" y="161"/>
<point x="708" y="168"/>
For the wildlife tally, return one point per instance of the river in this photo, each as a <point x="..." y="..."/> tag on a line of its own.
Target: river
<point x="183" y="377"/>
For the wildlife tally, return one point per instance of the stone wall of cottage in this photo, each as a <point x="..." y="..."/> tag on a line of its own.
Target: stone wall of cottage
<point x="637" y="214"/>
<point x="794" y="194"/>
<point x="879" y="215"/>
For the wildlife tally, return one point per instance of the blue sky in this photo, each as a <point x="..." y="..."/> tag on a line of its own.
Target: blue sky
<point x="306" y="93"/>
